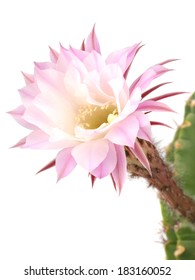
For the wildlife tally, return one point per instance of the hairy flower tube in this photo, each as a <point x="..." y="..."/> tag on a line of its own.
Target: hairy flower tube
<point x="80" y="104"/>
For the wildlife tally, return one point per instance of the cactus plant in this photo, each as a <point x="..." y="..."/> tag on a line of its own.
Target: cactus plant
<point x="180" y="233"/>
<point x="174" y="180"/>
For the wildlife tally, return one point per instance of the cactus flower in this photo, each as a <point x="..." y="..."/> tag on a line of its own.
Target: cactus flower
<point x="81" y="104"/>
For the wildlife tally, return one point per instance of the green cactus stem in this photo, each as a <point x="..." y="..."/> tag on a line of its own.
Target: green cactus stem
<point x="180" y="233"/>
<point x="175" y="181"/>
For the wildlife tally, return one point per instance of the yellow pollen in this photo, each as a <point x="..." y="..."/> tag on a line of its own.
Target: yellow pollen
<point x="112" y="117"/>
<point x="93" y="116"/>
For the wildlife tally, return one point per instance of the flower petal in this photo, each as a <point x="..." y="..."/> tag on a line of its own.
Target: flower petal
<point x="28" y="78"/>
<point x="167" y="95"/>
<point x="95" y="93"/>
<point x="94" y="61"/>
<point x="168" y="61"/>
<point x="81" y="54"/>
<point x="47" y="166"/>
<point x="50" y="108"/>
<point x="119" y="173"/>
<point x="140" y="155"/>
<point x="53" y="55"/>
<point x="50" y="79"/>
<point x="160" y="123"/>
<point x="93" y="179"/>
<point x="45" y="65"/>
<point x="123" y="57"/>
<point x="37" y="139"/>
<point x="35" y="116"/>
<point x="120" y="94"/>
<point x="148" y="76"/>
<point x="124" y="132"/>
<point x="28" y="93"/>
<point x="92" y="43"/>
<point x="150" y="105"/>
<point x="17" y="114"/>
<point x="65" y="163"/>
<point x="144" y="126"/>
<point x="20" y="143"/>
<point x="144" y="94"/>
<point x="90" y="154"/>
<point x="108" y="164"/>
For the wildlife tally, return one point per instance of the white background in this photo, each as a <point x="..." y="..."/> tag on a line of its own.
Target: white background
<point x="69" y="223"/>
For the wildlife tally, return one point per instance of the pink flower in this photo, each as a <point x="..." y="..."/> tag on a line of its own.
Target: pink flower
<point x="81" y="104"/>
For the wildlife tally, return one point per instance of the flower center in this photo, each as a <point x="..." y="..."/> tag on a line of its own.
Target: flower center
<point x="92" y="116"/>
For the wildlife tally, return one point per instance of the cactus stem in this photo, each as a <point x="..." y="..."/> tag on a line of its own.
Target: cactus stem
<point x="162" y="179"/>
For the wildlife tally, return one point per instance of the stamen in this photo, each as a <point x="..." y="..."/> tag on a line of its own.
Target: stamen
<point x="92" y="116"/>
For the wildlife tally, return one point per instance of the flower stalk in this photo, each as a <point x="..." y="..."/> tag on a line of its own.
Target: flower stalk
<point x="161" y="178"/>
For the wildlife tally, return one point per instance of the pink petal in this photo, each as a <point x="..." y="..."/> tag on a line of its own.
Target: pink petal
<point x="69" y="60"/>
<point x="53" y="55"/>
<point x="44" y="65"/>
<point x="37" y="117"/>
<point x="168" y="61"/>
<point x="150" y="105"/>
<point x="148" y="76"/>
<point x="123" y="57"/>
<point x="144" y="94"/>
<point x="17" y="114"/>
<point x="36" y="139"/>
<point x="109" y="73"/>
<point x="167" y="95"/>
<point x="94" y="61"/>
<point x="93" y="179"/>
<point x="83" y="45"/>
<point x="90" y="154"/>
<point x="81" y="54"/>
<point x="96" y="94"/>
<point x="113" y="84"/>
<point x="28" y="78"/>
<point x="20" y="143"/>
<point x="108" y="165"/>
<point x="124" y="132"/>
<point x="49" y="79"/>
<point x="65" y="163"/>
<point x="47" y="166"/>
<point x="113" y="181"/>
<point x="131" y="105"/>
<point x="140" y="155"/>
<point x="160" y="123"/>
<point x="64" y="59"/>
<point x="28" y="93"/>
<point x="119" y="173"/>
<point x="92" y="43"/>
<point x="117" y="86"/>
<point x="69" y="57"/>
<point x="144" y="126"/>
<point x="53" y="108"/>
<point x="128" y="68"/>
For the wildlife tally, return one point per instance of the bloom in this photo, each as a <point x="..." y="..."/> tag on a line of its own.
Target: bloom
<point x="81" y="104"/>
